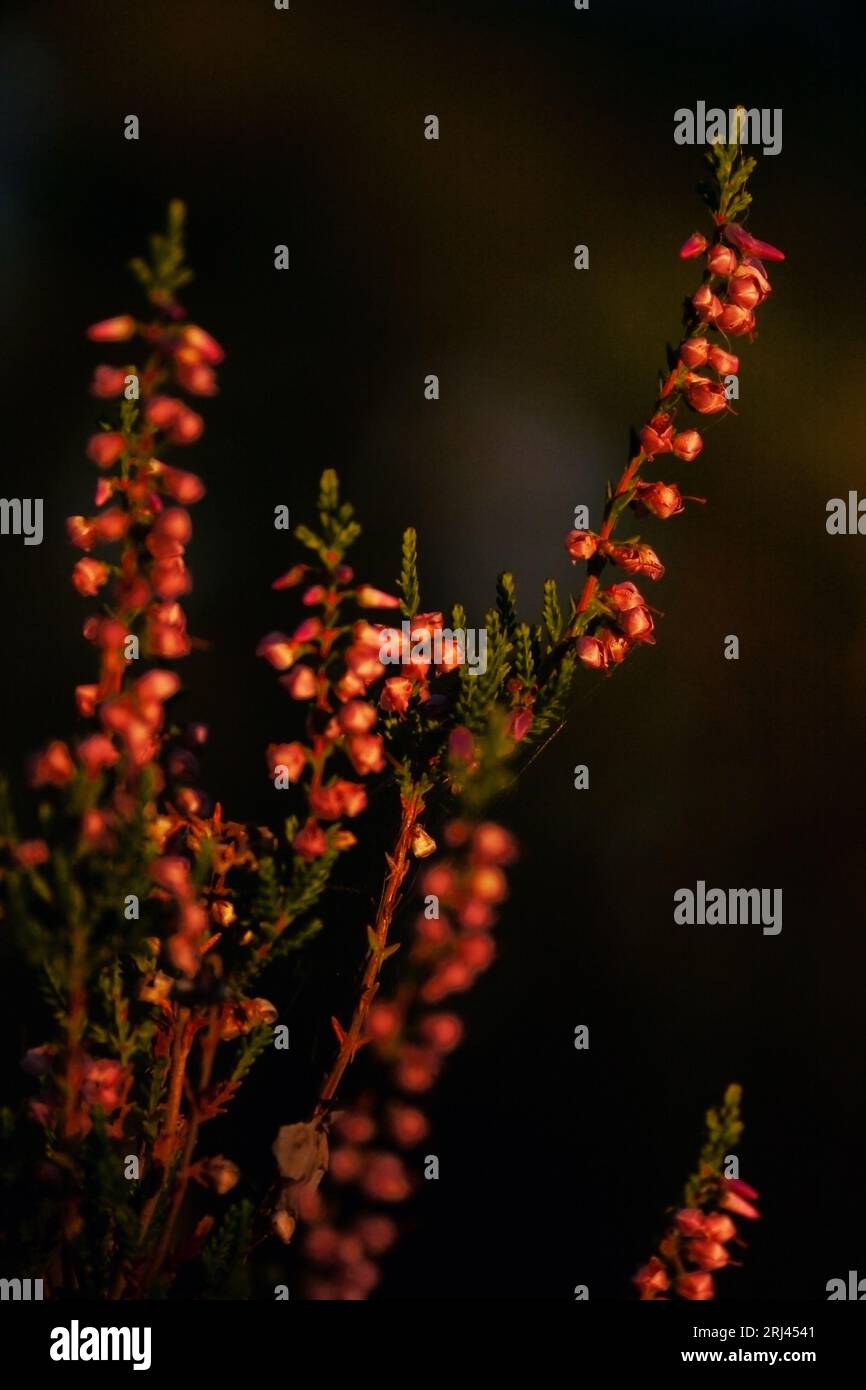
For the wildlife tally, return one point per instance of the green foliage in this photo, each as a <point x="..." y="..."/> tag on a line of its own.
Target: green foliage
<point x="724" y="1128"/>
<point x="552" y="612"/>
<point x="408" y="584"/>
<point x="225" y="1254"/>
<point x="166" y="272"/>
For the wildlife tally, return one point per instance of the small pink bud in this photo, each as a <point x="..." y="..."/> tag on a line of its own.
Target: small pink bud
<point x="693" y="246"/>
<point x="203" y="343"/>
<point x="689" y="1221"/>
<point x="291" y="756"/>
<point x="368" y="597"/>
<point x="722" y="260"/>
<point x="356" y="717"/>
<point x="115" y="330"/>
<point x="662" y="499"/>
<point x="181" y="485"/>
<point x="707" y="305"/>
<point x="657" y="436"/>
<point x="725" y="363"/>
<point x="310" y="843"/>
<point x="695" y="1286"/>
<point x="396" y="694"/>
<point x="652" y="1278"/>
<point x="750" y="245"/>
<point x="624" y="596"/>
<point x="687" y="445"/>
<point x="278" y="650"/>
<point x="105" y="449"/>
<point x="300" y="682"/>
<point x="708" y="1254"/>
<point x="636" y="559"/>
<point x="88" y="576"/>
<point x="735" y="320"/>
<point x="638" y="624"/>
<point x="693" y="352"/>
<point x="518" y="724"/>
<point x="96" y="753"/>
<point x="705" y="396"/>
<point x="366" y="753"/>
<point x="53" y="767"/>
<point x="581" y="545"/>
<point x="719" y="1227"/>
<point x="107" y="382"/>
<point x="591" y="652"/>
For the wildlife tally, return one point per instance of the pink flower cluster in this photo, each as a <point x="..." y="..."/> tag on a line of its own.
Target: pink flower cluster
<point x="734" y="285"/>
<point x="697" y="1246"/>
<point x="410" y="1035"/>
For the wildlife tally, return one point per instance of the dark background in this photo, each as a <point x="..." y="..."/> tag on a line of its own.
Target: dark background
<point x="410" y="257"/>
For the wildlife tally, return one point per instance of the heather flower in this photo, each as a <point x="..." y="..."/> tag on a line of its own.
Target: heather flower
<point x="657" y="436"/>
<point x="707" y="305"/>
<point x="652" y="1278"/>
<point x="751" y="246"/>
<point x="705" y="396"/>
<point x="687" y="445"/>
<point x="733" y="319"/>
<point x="693" y="352"/>
<point x="725" y="363"/>
<point x="695" y="1286"/>
<point x="54" y="767"/>
<point x="115" y="330"/>
<point x="89" y="576"/>
<point x="581" y="545"/>
<point x="693" y="246"/>
<point x="662" y="499"/>
<point x="106" y="449"/>
<point x="722" y="260"/>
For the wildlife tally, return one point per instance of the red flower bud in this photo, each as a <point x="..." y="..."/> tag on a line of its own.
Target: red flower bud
<point x="181" y="485"/>
<point x="725" y="363"/>
<point x="722" y="260"/>
<point x="695" y="1286"/>
<point x="366" y="753"/>
<point x="368" y="597"/>
<point x="693" y="246"/>
<point x="657" y="436"/>
<point x="652" y="1278"/>
<point x="719" y="1227"/>
<point x="750" y="245"/>
<point x="636" y="559"/>
<point x="310" y="843"/>
<point x="202" y="342"/>
<point x="693" y="352"/>
<point x="300" y="682"/>
<point x="662" y="499"/>
<point x="637" y="623"/>
<point x="518" y="724"/>
<point x="591" y="652"/>
<point x="735" y="320"/>
<point x="581" y="545"/>
<point x="689" y="1221"/>
<point x="107" y="382"/>
<point x="705" y="396"/>
<point x="687" y="445"/>
<point x="105" y="449"/>
<point x="708" y="1254"/>
<point x="53" y="767"/>
<point x="707" y="305"/>
<point x="88" y="576"/>
<point x="624" y="596"/>
<point x="115" y="330"/>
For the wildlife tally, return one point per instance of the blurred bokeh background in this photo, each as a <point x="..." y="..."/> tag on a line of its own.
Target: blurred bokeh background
<point x="410" y="257"/>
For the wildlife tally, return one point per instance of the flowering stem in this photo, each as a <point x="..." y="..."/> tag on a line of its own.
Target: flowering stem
<point x="209" y="1050"/>
<point x="398" y="865"/>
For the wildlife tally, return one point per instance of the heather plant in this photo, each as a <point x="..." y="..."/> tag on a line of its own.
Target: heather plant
<point x="150" y="919"/>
